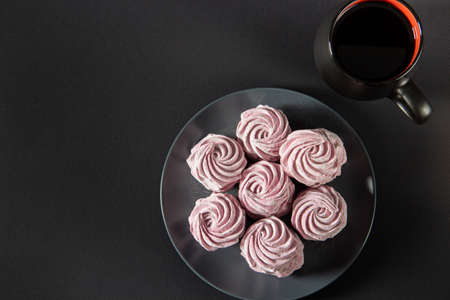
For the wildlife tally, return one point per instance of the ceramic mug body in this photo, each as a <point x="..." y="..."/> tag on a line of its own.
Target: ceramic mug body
<point x="399" y="87"/>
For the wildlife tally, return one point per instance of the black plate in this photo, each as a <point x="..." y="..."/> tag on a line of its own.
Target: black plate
<point x="225" y="269"/>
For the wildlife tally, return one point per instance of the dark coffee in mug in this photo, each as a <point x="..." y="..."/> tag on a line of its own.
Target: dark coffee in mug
<point x="374" y="40"/>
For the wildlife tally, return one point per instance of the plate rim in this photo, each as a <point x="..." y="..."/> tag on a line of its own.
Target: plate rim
<point x="280" y="90"/>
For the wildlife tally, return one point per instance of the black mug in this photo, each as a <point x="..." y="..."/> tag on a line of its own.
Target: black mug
<point x="367" y="50"/>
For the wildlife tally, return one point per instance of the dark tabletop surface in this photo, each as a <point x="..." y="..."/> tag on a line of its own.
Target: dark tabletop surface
<point x="92" y="95"/>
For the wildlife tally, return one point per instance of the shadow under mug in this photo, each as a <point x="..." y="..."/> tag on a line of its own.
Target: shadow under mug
<point x="399" y="88"/>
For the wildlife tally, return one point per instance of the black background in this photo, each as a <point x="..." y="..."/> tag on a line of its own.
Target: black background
<point x="92" y="93"/>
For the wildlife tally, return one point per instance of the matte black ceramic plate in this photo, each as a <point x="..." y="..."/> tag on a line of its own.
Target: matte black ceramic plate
<point x="225" y="269"/>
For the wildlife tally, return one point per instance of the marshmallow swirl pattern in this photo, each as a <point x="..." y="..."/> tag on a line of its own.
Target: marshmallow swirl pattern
<point x="319" y="213"/>
<point x="313" y="157"/>
<point x="217" y="162"/>
<point x="270" y="247"/>
<point x="266" y="190"/>
<point x="217" y="221"/>
<point x="262" y="131"/>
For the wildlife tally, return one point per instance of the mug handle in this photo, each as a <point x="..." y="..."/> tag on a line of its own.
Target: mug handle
<point x="410" y="99"/>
